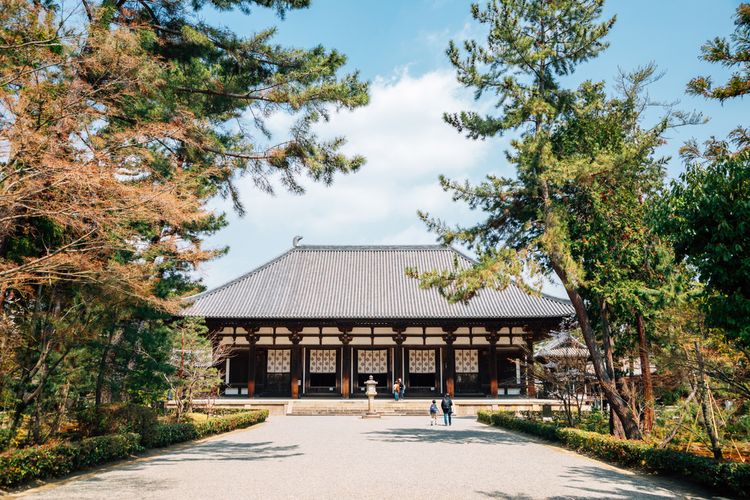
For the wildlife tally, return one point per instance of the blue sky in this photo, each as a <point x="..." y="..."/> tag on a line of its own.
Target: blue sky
<point x="399" y="46"/>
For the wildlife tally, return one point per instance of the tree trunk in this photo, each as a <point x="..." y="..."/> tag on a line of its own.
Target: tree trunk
<point x="708" y="413"/>
<point x="648" y="386"/>
<point x="103" y="393"/>
<point x="615" y="426"/>
<point x="616" y="402"/>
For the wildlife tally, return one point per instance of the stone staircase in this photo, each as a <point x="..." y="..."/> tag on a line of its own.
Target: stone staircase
<point x="386" y="407"/>
<point x="357" y="407"/>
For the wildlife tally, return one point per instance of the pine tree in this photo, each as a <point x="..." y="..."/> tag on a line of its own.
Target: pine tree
<point x="535" y="222"/>
<point x="733" y="53"/>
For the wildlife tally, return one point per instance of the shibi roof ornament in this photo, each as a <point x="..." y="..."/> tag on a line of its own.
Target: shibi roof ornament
<point x="296" y="240"/>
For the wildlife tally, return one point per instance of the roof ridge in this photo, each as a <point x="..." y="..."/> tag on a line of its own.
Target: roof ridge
<point x="373" y="247"/>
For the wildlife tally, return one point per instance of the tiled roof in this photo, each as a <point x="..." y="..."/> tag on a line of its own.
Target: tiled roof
<point x="563" y="345"/>
<point x="361" y="282"/>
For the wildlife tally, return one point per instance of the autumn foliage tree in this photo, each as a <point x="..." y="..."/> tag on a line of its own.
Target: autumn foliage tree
<point x="119" y="121"/>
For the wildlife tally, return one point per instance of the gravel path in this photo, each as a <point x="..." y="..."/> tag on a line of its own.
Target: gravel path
<point x="347" y="457"/>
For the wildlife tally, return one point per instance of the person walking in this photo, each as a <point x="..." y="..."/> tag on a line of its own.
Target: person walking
<point x="447" y="405"/>
<point x="396" y="389"/>
<point x="401" y="389"/>
<point x="433" y="413"/>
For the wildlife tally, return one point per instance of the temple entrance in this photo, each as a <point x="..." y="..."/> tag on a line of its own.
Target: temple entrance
<point x="323" y="367"/>
<point x="373" y="362"/>
<point x="509" y="379"/>
<point x="421" y="372"/>
<point x="273" y="373"/>
<point x="236" y="375"/>
<point x="468" y="371"/>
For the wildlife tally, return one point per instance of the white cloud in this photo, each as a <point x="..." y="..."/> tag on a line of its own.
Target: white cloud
<point x="407" y="145"/>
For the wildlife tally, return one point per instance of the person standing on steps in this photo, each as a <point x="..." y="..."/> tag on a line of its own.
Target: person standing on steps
<point x="401" y="389"/>
<point x="447" y="405"/>
<point x="396" y="389"/>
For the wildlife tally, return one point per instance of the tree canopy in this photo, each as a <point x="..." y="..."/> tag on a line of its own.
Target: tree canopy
<point x="120" y="120"/>
<point x="585" y="166"/>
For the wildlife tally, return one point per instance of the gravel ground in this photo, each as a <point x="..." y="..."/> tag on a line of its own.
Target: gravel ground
<point x="347" y="457"/>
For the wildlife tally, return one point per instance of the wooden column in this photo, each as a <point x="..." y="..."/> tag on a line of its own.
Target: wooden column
<point x="449" y="360"/>
<point x="252" y="339"/>
<point x="530" y="386"/>
<point x="398" y="353"/>
<point x="296" y="362"/>
<point x="492" y="338"/>
<point x="346" y="361"/>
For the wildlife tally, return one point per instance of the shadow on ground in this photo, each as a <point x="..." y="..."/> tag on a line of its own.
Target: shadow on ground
<point x="612" y="484"/>
<point x="223" y="449"/>
<point x="646" y="489"/>
<point x="442" y="434"/>
<point x="217" y="450"/>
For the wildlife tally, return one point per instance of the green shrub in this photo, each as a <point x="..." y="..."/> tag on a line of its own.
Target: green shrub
<point x="217" y="412"/>
<point x="166" y="434"/>
<point x="21" y="466"/>
<point x="739" y="427"/>
<point x="728" y="477"/>
<point x="594" y="421"/>
<point x="6" y="436"/>
<point x="118" y="418"/>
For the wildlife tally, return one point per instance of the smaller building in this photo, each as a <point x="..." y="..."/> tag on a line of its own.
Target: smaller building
<point x="317" y="321"/>
<point x="566" y="369"/>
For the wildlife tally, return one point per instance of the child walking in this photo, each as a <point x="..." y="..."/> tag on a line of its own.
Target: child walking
<point x="433" y="413"/>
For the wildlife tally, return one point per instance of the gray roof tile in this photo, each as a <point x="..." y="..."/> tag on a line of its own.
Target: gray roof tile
<point x="361" y="282"/>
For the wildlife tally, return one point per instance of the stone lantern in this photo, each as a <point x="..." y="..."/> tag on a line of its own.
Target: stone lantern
<point x="371" y="392"/>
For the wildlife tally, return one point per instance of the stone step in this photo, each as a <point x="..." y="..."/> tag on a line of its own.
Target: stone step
<point x="415" y="407"/>
<point x="355" y="414"/>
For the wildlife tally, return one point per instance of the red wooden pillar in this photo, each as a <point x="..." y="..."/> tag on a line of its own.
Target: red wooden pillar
<point x="251" y="372"/>
<point x="346" y="361"/>
<point x="398" y="354"/>
<point x="450" y="360"/>
<point x="530" y="385"/>
<point x="492" y="339"/>
<point x="296" y="363"/>
<point x="252" y="339"/>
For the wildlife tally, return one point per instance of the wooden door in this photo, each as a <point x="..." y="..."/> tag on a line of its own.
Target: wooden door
<point x="277" y="369"/>
<point x="323" y="371"/>
<point x="467" y="372"/>
<point x="422" y="375"/>
<point x="375" y="362"/>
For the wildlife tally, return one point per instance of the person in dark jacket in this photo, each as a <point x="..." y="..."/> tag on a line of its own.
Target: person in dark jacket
<point x="447" y="405"/>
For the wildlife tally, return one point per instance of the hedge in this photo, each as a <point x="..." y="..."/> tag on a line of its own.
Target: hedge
<point x="40" y="462"/>
<point x="726" y="477"/>
<point x="166" y="434"/>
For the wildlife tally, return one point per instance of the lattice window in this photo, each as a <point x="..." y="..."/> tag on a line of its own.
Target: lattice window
<point x="372" y="361"/>
<point x="322" y="361"/>
<point x="279" y="360"/>
<point x="422" y="361"/>
<point x="467" y="361"/>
